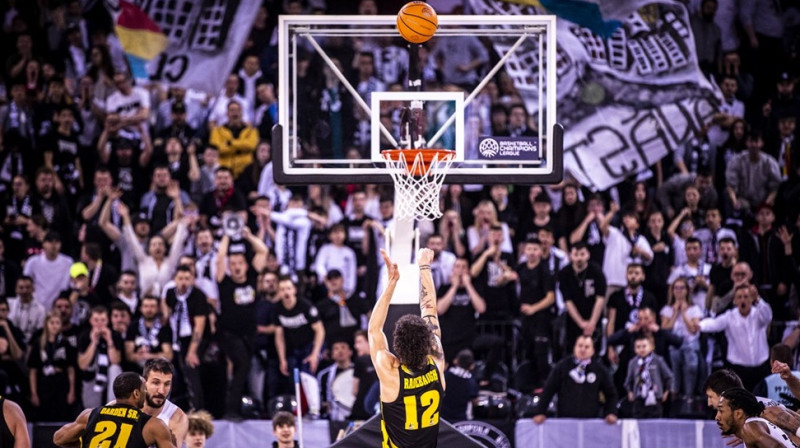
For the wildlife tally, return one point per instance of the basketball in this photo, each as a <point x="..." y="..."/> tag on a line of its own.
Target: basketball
<point x="417" y="22"/>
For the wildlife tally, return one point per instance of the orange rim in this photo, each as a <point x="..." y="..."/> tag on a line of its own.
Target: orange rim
<point x="427" y="155"/>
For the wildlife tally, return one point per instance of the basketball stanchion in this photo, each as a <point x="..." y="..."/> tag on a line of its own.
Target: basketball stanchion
<point x="418" y="176"/>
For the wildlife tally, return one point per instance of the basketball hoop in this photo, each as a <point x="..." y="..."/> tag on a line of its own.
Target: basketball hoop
<point x="418" y="176"/>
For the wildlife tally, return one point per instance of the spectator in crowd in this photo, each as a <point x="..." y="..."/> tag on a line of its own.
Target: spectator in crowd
<point x="657" y="272"/>
<point x="336" y="255"/>
<point x="649" y="380"/>
<point x="478" y="233"/>
<point x="237" y="323"/>
<point x="13" y="347"/>
<point x="721" y="272"/>
<point x="164" y="201"/>
<point x="495" y="277"/>
<point x="695" y="271"/>
<point x="752" y="176"/>
<point x="24" y="312"/>
<point x="364" y="376"/>
<point x="126" y="291"/>
<point x="49" y="270"/>
<point x="745" y="330"/>
<point x="711" y="234"/>
<point x="131" y="103"/>
<point x="623" y="247"/>
<point x="646" y="325"/>
<point x="682" y="317"/>
<point x="148" y="337"/>
<point x="236" y="140"/>
<point x="336" y="382"/>
<point x="188" y="313"/>
<point x="219" y="114"/>
<point x="201" y="428"/>
<point x="579" y="380"/>
<point x="102" y="276"/>
<point x="341" y="315"/>
<point x="777" y="386"/>
<point x="443" y="260"/>
<point x="283" y="428"/>
<point x="293" y="228"/>
<point x="537" y="299"/>
<point x="451" y="229"/>
<point x="583" y="286"/>
<point x="51" y="365"/>
<point x="299" y="334"/>
<point x="462" y="385"/>
<point x="157" y="263"/>
<point x="99" y="358"/>
<point x="458" y="305"/>
<point x="223" y="198"/>
<point x="459" y="59"/>
<point x="764" y="252"/>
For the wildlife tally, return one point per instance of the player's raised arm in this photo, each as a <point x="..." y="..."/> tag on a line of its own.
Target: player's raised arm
<point x="427" y="304"/>
<point x="377" y="338"/>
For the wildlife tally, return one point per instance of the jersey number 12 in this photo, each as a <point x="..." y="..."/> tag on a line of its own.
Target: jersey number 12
<point x="430" y="415"/>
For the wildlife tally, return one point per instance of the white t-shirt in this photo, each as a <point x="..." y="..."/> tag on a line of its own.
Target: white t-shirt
<point x="690" y="274"/>
<point x="128" y="105"/>
<point x="617" y="256"/>
<point x="693" y="312"/>
<point x="49" y="277"/>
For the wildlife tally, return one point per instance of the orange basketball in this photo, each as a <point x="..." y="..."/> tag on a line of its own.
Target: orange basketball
<point x="417" y="22"/>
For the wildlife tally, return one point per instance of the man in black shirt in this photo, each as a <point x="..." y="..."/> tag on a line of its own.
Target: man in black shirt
<point x="299" y="333"/>
<point x="223" y="198"/>
<point x="364" y="377"/>
<point x="340" y="315"/>
<point x="99" y="356"/>
<point x="578" y="380"/>
<point x="457" y="306"/>
<point x="237" y="321"/>
<point x="537" y="297"/>
<point x="720" y="275"/>
<point x="583" y="286"/>
<point x="462" y="388"/>
<point x="495" y="276"/>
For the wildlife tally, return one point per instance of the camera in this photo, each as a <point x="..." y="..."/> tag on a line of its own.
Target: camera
<point x="232" y="225"/>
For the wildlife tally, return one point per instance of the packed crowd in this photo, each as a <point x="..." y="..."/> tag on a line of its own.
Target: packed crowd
<point x="142" y="222"/>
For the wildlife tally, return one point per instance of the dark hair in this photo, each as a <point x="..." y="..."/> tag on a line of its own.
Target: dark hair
<point x="160" y="365"/>
<point x="580" y="245"/>
<point x="119" y="305"/>
<point x="721" y="380"/>
<point x="129" y="272"/>
<point x="726" y="239"/>
<point x="361" y="333"/>
<point x="412" y="341"/>
<point x="547" y="228"/>
<point x="693" y="239"/>
<point x="465" y="359"/>
<point x="26" y="278"/>
<point x="740" y="398"/>
<point x="282" y="418"/>
<point x="93" y="251"/>
<point x="634" y="265"/>
<point x="496" y="227"/>
<point x="201" y="421"/>
<point x="644" y="337"/>
<point x="183" y="268"/>
<point x="223" y="168"/>
<point x="782" y="353"/>
<point x="534" y="240"/>
<point x="149" y="297"/>
<point x="754" y="134"/>
<point x="99" y="309"/>
<point x="126" y="383"/>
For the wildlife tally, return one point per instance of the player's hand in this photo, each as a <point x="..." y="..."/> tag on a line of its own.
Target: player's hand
<point x="425" y="257"/>
<point x="539" y="419"/>
<point x="284" y="368"/>
<point x="313" y="362"/>
<point x="611" y="419"/>
<point x="782" y="369"/>
<point x="392" y="272"/>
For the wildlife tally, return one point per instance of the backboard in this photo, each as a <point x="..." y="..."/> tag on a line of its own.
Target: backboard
<point x="343" y="88"/>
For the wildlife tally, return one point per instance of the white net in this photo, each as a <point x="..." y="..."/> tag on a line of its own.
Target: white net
<point x="417" y="197"/>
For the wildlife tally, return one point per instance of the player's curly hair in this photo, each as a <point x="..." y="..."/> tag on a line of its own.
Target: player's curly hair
<point x="412" y="341"/>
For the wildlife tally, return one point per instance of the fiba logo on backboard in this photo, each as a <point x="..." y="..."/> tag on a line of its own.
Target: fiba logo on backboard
<point x="489" y="148"/>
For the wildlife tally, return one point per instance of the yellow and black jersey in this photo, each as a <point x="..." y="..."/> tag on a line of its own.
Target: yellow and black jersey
<point x="118" y="426"/>
<point x="412" y="420"/>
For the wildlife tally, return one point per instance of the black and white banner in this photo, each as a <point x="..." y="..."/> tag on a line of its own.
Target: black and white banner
<point x="625" y="102"/>
<point x="205" y="39"/>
